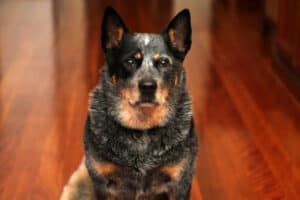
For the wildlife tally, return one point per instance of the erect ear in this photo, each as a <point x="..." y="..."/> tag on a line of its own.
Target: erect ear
<point x="113" y="29"/>
<point x="178" y="33"/>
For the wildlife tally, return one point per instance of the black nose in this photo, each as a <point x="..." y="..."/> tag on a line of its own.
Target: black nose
<point x="147" y="86"/>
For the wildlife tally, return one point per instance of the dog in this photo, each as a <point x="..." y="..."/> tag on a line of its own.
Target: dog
<point x="139" y="140"/>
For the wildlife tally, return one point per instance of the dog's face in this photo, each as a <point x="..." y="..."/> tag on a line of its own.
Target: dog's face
<point x="145" y="70"/>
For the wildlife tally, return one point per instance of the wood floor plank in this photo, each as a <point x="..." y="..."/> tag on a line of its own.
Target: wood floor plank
<point x="253" y="96"/>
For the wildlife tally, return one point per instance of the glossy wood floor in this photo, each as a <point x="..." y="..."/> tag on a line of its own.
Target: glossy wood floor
<point x="248" y="119"/>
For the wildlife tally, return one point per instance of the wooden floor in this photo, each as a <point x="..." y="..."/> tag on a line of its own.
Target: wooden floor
<point x="247" y="116"/>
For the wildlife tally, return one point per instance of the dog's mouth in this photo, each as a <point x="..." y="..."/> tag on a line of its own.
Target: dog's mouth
<point x="144" y="104"/>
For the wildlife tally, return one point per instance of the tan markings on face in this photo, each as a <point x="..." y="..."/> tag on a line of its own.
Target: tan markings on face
<point x="161" y="94"/>
<point x="172" y="35"/>
<point x="174" y="170"/>
<point x="104" y="168"/>
<point x="156" y="56"/>
<point x="115" y="36"/>
<point x="176" y="81"/>
<point x="120" y="34"/>
<point x="175" y="39"/>
<point x="138" y="55"/>
<point x="142" y="117"/>
<point x="114" y="79"/>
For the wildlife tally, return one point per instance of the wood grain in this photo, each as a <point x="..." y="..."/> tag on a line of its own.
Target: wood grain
<point x="247" y="118"/>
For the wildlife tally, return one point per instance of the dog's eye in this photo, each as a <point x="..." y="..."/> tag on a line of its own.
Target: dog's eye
<point x="130" y="62"/>
<point x="163" y="62"/>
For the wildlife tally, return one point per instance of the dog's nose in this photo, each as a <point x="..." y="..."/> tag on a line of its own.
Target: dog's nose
<point x="147" y="86"/>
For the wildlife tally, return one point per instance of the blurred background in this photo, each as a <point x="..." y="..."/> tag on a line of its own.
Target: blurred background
<point x="243" y="75"/>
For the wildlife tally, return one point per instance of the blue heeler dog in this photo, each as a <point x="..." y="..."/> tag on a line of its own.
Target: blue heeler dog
<point x="139" y="139"/>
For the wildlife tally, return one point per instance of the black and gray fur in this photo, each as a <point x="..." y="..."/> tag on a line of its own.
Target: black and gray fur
<point x="140" y="152"/>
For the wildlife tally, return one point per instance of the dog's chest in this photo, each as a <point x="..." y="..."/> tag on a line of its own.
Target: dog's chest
<point x="119" y="182"/>
<point x="130" y="184"/>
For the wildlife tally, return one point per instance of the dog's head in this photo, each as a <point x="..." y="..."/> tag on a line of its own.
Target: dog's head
<point x="144" y="76"/>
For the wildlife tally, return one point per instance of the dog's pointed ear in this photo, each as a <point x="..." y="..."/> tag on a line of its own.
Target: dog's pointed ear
<point x="113" y="29"/>
<point x="178" y="33"/>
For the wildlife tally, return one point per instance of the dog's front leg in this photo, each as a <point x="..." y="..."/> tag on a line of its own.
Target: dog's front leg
<point x="183" y="189"/>
<point x="79" y="186"/>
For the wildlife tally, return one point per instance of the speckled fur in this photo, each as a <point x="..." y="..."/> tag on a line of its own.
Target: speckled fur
<point x="152" y="162"/>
